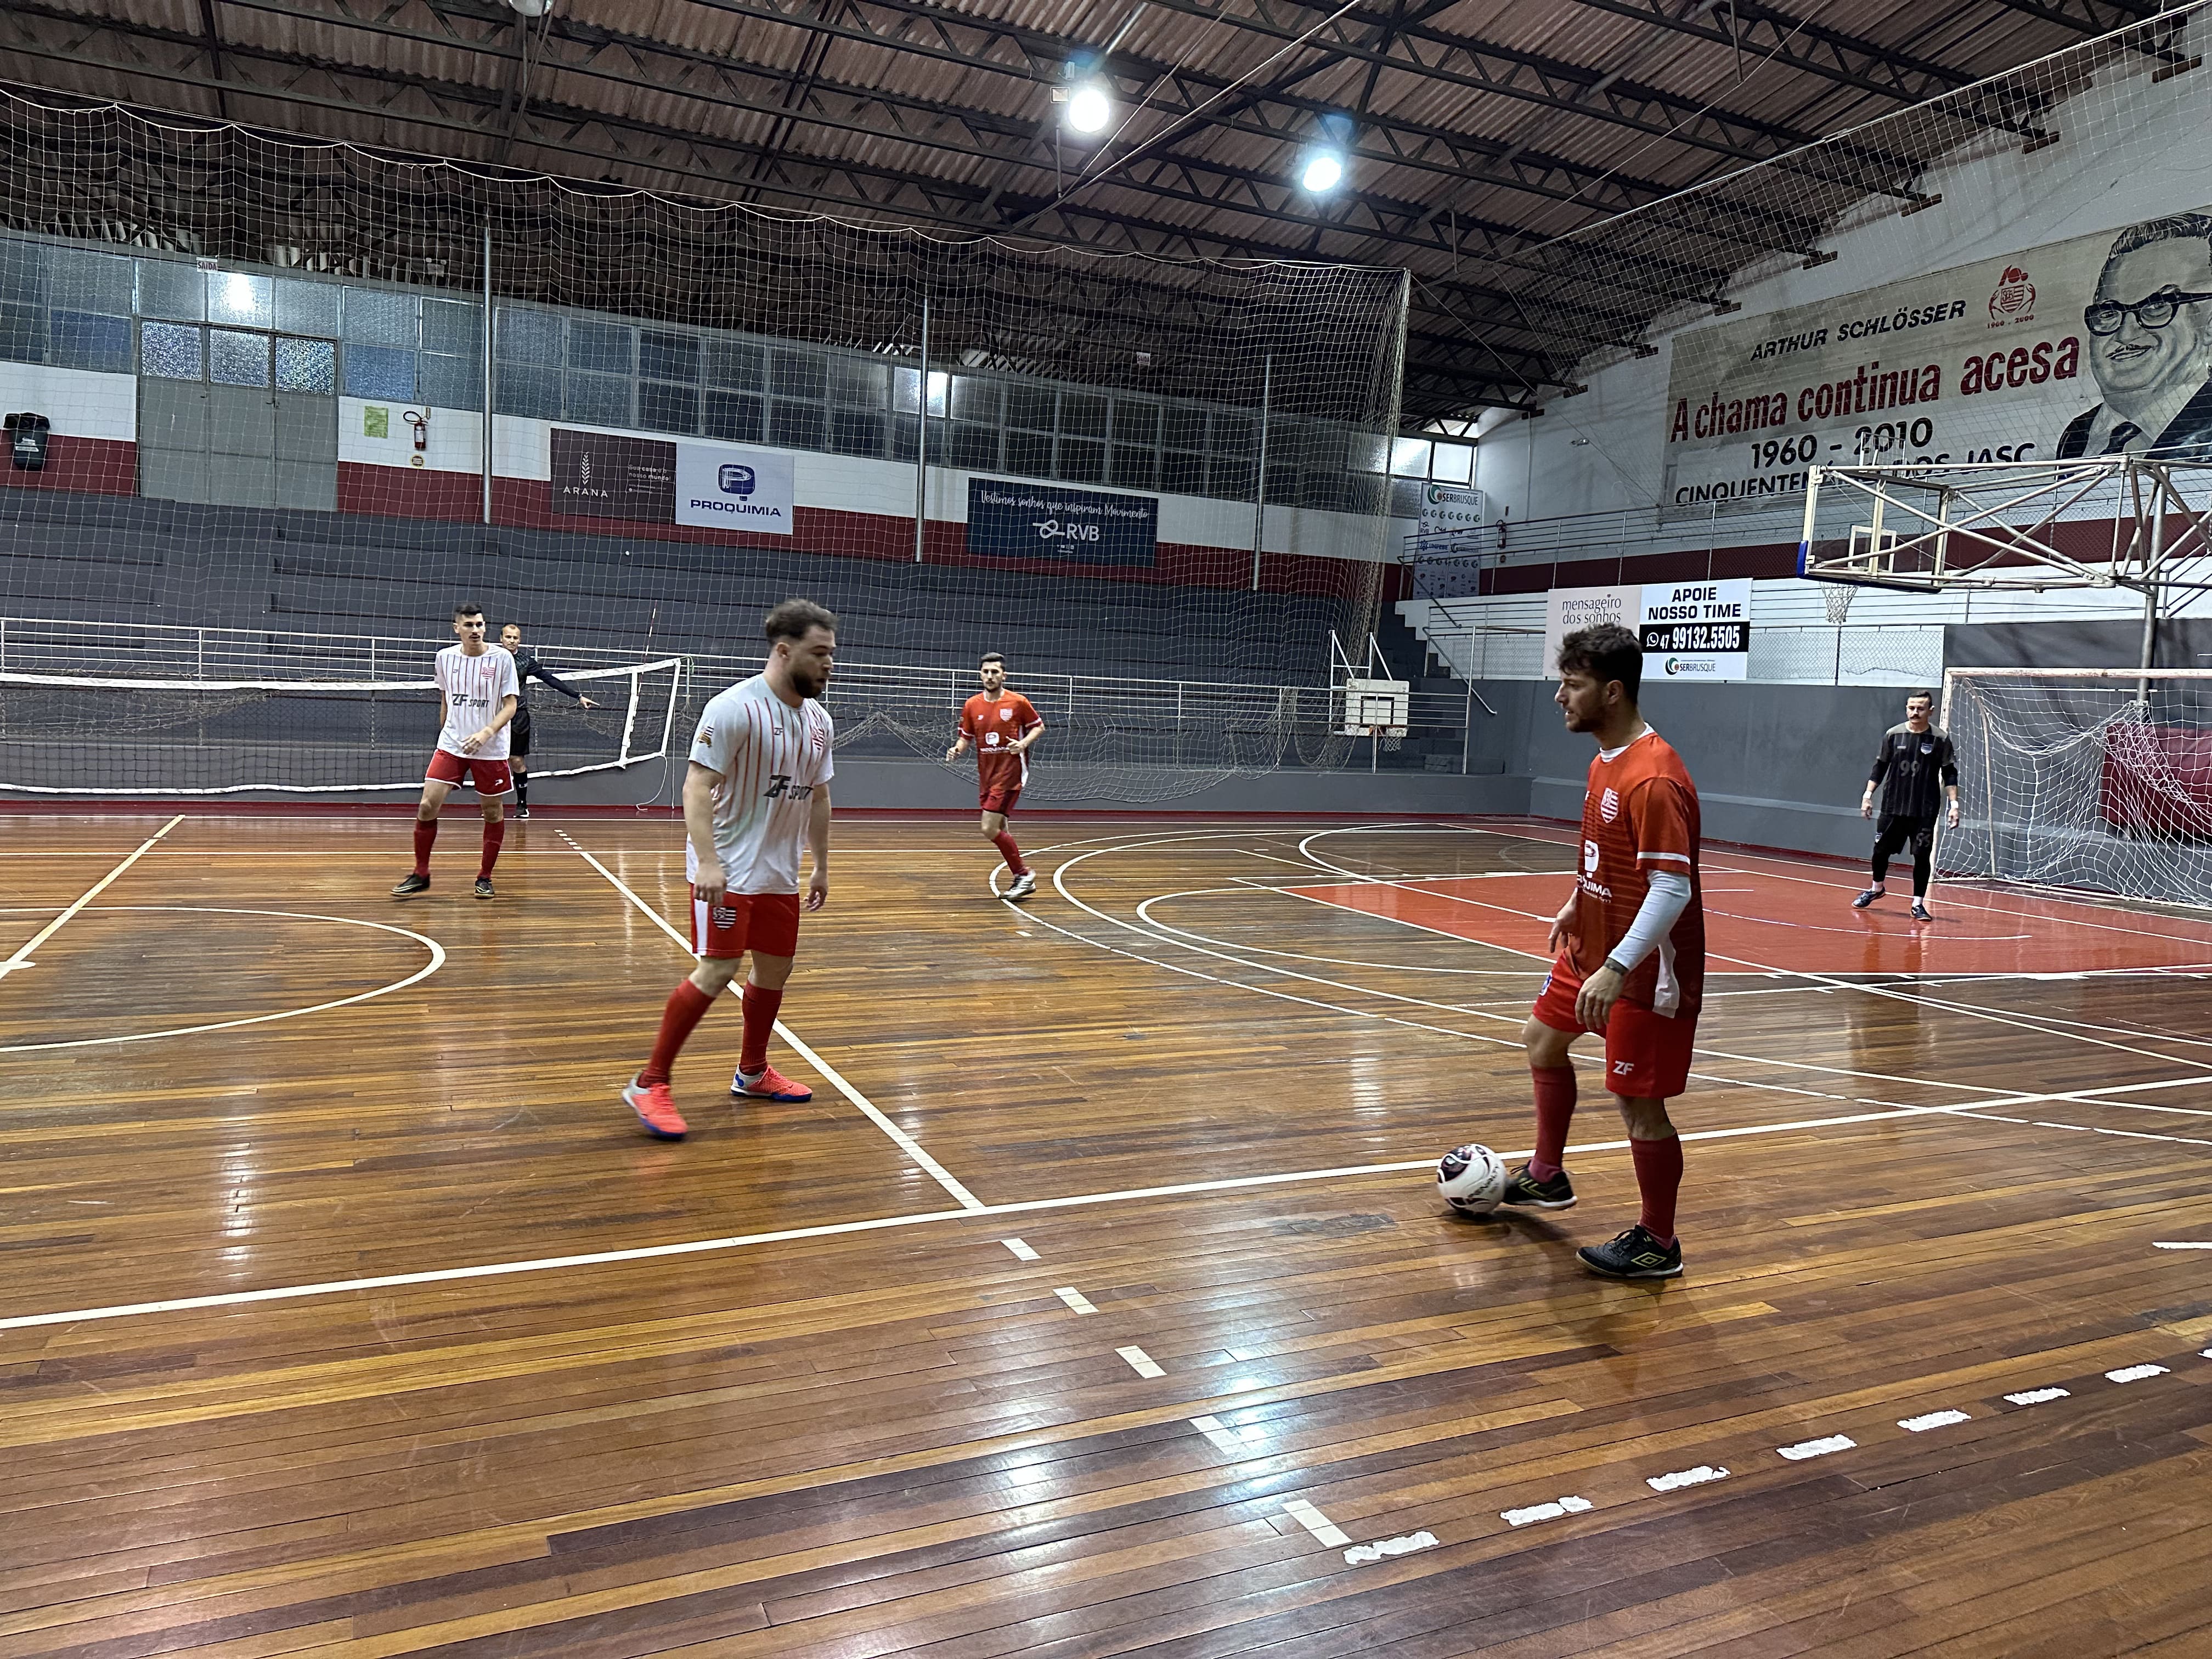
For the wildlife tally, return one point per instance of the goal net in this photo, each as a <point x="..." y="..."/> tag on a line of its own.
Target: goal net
<point x="203" y="712"/>
<point x="2095" y="779"/>
<point x="308" y="389"/>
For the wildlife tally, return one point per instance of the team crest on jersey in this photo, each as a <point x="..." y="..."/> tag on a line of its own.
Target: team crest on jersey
<point x="1006" y="713"/>
<point x="1608" y="805"/>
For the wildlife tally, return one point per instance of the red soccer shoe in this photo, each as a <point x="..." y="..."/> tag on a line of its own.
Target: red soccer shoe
<point x="656" y="1110"/>
<point x="770" y="1084"/>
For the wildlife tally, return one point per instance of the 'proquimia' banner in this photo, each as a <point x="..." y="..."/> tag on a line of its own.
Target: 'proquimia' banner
<point x="2091" y="346"/>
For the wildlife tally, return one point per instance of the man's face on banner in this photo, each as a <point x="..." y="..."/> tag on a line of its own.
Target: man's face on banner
<point x="2140" y="363"/>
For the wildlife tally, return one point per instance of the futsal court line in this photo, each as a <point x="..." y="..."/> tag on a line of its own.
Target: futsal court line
<point x="437" y="961"/>
<point x="1060" y="885"/>
<point x="906" y="1143"/>
<point x="1970" y="1110"/>
<point x="22" y="959"/>
<point x="2044" y="1024"/>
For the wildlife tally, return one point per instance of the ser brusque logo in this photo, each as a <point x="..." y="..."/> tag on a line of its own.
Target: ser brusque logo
<point x="2013" y="300"/>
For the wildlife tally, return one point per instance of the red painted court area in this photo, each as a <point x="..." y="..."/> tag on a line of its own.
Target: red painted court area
<point x="1758" y="919"/>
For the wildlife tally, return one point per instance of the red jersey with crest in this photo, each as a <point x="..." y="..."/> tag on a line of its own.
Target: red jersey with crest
<point x="1640" y="815"/>
<point x="993" y="725"/>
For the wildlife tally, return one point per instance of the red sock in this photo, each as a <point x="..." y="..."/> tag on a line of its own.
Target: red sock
<point x="761" y="1004"/>
<point x="495" y="835"/>
<point x="1003" y="841"/>
<point x="425" y="831"/>
<point x="687" y="1006"/>
<point x="1555" y="1109"/>
<point x="1658" y="1178"/>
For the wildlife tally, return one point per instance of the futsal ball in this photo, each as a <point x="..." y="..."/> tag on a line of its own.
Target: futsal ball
<point x="1470" y="1179"/>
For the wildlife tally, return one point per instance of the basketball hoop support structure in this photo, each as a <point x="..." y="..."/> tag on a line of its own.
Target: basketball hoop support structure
<point x="2012" y="526"/>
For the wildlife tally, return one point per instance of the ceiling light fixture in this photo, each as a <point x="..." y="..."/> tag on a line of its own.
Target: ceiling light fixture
<point x="1323" y="172"/>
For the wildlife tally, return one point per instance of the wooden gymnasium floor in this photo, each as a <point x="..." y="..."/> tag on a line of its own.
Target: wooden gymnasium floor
<point x="1100" y="1302"/>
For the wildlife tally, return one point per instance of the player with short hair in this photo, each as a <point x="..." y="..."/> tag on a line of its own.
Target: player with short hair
<point x="526" y="666"/>
<point x="477" y="694"/>
<point x="1912" y="759"/>
<point x="1003" y="726"/>
<point x="757" y="789"/>
<point x="1631" y="954"/>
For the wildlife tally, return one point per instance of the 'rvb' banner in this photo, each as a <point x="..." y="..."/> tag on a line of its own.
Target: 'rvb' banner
<point x="2095" y="346"/>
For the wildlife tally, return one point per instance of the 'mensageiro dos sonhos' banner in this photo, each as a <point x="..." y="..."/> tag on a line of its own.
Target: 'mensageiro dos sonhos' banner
<point x="2098" y="346"/>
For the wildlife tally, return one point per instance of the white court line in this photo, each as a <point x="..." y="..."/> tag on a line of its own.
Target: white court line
<point x="2134" y="1373"/>
<point x="1077" y="1302"/>
<point x="2190" y="1245"/>
<point x="1140" y="1362"/>
<point x="840" y="1229"/>
<point x="907" y="1143"/>
<point x="22" y="959"/>
<point x="1822" y="1448"/>
<point x="1928" y="1420"/>
<point x="2035" y="1396"/>
<point x="1681" y="1478"/>
<point x="1551" y="1512"/>
<point x="1315" y="1521"/>
<point x="437" y="961"/>
<point x="1360" y="1555"/>
<point x="1970" y="1110"/>
<point x="1022" y="1251"/>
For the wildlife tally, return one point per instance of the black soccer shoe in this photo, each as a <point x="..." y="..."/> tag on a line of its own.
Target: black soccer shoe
<point x="485" y="888"/>
<point x="412" y="885"/>
<point x="1634" y="1254"/>
<point x="1920" y="912"/>
<point x="1524" y="1189"/>
<point x="1866" y="898"/>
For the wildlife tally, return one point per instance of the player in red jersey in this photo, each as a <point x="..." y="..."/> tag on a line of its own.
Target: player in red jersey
<point x="1631" y="954"/>
<point x="1004" y="729"/>
<point x="478" y="695"/>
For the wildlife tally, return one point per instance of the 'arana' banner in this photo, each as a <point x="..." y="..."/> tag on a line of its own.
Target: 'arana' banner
<point x="2088" y="347"/>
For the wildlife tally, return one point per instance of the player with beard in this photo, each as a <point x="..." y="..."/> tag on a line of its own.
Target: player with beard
<point x="759" y="789"/>
<point x="1631" y="954"/>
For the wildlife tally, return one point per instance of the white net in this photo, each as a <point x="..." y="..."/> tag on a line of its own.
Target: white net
<point x="204" y="712"/>
<point x="264" y="370"/>
<point x="2098" y="780"/>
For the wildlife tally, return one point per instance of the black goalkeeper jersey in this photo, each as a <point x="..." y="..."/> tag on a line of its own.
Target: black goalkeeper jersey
<point x="527" y="667"/>
<point x="1913" y="768"/>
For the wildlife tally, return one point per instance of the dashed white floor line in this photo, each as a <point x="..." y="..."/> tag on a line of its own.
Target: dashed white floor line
<point x="1140" y="1362"/>
<point x="2036" y="1396"/>
<point x="2134" y="1373"/>
<point x="1806" y="1448"/>
<point x="1022" y="1251"/>
<point x="1075" y="1299"/>
<point x="1223" y="1438"/>
<point x="1928" y="1420"/>
<point x="1681" y="1478"/>
<point x="2184" y="1244"/>
<point x="1315" y="1521"/>
<point x="1360" y="1555"/>
<point x="1551" y="1512"/>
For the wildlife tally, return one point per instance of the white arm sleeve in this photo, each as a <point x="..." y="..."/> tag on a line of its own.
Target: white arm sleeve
<point x="1667" y="898"/>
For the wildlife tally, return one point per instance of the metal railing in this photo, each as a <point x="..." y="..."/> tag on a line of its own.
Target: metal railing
<point x="1123" y="720"/>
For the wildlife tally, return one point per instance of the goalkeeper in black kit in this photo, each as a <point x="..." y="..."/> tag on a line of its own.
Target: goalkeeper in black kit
<point x="527" y="667"/>
<point x="1917" y="771"/>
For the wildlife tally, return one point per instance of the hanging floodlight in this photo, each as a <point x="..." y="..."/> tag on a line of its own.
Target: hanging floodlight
<point x="1089" y="108"/>
<point x="1323" y="171"/>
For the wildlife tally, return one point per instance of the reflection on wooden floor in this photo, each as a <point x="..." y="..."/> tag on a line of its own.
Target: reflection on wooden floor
<point x="781" y="1390"/>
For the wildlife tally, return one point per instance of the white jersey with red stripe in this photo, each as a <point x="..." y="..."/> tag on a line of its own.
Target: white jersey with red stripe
<point x="474" y="687"/>
<point x="772" y="758"/>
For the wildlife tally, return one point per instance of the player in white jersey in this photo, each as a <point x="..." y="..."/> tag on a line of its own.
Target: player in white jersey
<point x="759" y="787"/>
<point x="478" y="695"/>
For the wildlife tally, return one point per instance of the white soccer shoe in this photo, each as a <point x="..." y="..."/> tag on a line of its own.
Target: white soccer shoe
<point x="1024" y="885"/>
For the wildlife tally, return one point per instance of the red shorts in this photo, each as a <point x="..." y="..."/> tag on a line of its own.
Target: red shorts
<point x="1000" y="798"/>
<point x="490" y="777"/>
<point x="1647" y="1053"/>
<point x="764" y="923"/>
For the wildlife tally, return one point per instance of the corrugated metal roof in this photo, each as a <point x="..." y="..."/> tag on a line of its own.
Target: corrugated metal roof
<point x="1477" y="128"/>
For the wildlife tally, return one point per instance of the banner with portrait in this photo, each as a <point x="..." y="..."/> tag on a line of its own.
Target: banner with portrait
<point x="2098" y="346"/>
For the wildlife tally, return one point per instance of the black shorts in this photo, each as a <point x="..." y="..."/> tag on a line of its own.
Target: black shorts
<point x="1895" y="831"/>
<point x="518" y="734"/>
